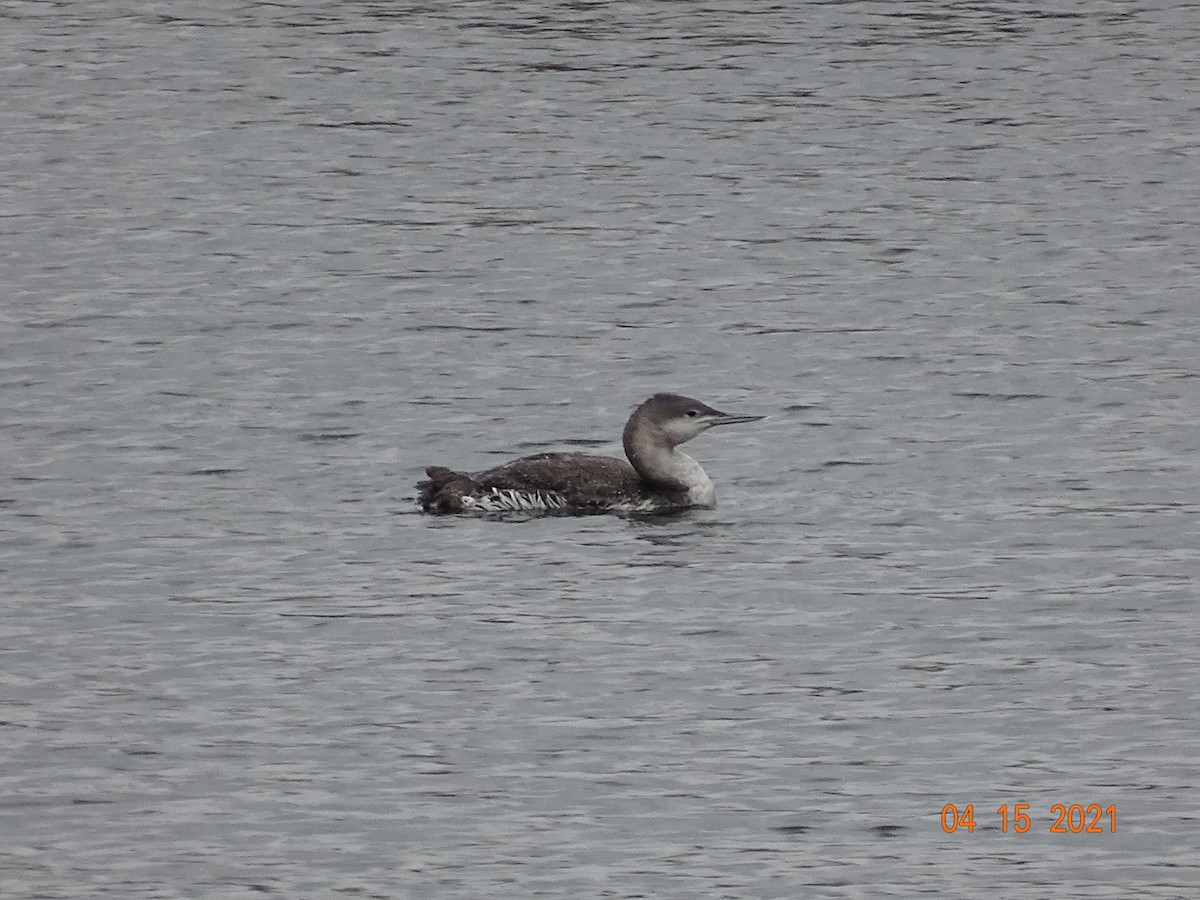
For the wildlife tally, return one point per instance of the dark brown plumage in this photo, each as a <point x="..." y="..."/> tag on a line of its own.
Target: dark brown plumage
<point x="582" y="481"/>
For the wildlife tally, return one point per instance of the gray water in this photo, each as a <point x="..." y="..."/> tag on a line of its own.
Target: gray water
<point x="263" y="263"/>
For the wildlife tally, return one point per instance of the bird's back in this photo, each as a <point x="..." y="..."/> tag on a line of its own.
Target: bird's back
<point x="546" y="481"/>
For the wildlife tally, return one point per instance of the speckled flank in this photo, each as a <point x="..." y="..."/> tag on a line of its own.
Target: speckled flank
<point x="497" y="500"/>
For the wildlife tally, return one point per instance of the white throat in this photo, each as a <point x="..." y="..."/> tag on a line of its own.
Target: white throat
<point x="668" y="465"/>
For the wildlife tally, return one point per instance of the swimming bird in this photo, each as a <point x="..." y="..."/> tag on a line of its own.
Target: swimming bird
<point x="657" y="478"/>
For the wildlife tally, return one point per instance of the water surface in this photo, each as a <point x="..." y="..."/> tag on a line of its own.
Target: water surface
<point x="264" y="264"/>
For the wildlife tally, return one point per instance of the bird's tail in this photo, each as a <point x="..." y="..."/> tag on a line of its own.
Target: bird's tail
<point x="444" y="491"/>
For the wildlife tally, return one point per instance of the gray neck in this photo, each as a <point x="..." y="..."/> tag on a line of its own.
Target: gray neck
<point x="651" y="453"/>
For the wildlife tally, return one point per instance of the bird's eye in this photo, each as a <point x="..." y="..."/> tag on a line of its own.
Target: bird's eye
<point x="692" y="413"/>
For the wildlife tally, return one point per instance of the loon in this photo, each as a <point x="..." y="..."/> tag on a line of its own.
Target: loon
<point x="657" y="478"/>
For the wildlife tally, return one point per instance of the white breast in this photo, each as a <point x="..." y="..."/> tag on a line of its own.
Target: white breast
<point x="699" y="485"/>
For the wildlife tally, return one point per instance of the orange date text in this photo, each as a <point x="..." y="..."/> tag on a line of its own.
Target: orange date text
<point x="1074" y="818"/>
